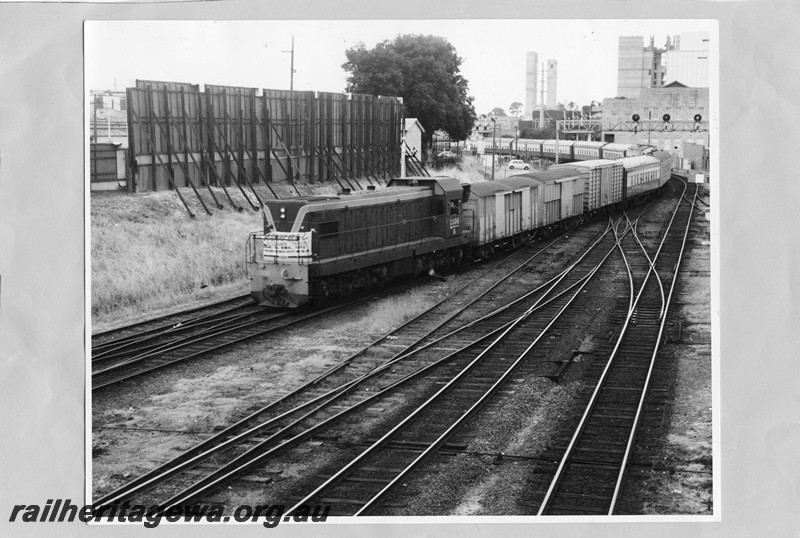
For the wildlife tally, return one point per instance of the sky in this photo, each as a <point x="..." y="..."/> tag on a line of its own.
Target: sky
<point x="255" y="53"/>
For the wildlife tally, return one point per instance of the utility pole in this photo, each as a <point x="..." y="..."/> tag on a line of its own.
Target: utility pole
<point x="494" y="146"/>
<point x="557" y="129"/>
<point x="291" y="65"/>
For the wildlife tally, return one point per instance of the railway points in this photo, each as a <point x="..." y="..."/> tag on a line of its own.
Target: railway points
<point x="347" y="395"/>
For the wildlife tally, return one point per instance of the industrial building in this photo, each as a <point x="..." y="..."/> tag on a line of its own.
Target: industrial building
<point x="535" y="94"/>
<point x="683" y="59"/>
<point x="652" y="82"/>
<point x="552" y="83"/>
<point x="531" y="83"/>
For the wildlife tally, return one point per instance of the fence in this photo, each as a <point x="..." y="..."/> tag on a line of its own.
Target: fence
<point x="225" y="136"/>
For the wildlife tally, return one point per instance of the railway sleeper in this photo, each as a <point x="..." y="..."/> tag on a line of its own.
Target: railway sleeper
<point x="580" y="496"/>
<point x="594" y="465"/>
<point x="569" y="509"/>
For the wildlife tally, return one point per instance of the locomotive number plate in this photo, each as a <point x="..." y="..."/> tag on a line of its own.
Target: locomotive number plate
<point x="287" y="245"/>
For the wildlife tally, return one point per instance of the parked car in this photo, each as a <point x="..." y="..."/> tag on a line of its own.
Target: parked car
<point x="447" y="154"/>
<point x="518" y="164"/>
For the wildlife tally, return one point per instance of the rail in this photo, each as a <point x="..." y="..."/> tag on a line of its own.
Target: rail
<point x="641" y="327"/>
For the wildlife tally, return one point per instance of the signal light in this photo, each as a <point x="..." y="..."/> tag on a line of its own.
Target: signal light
<point x="666" y="118"/>
<point x="697" y="119"/>
<point x="635" y="118"/>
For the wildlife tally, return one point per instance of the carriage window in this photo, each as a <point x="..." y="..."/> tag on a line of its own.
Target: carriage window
<point x="328" y="228"/>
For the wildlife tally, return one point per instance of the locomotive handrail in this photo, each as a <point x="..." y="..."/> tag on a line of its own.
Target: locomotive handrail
<point x="250" y="252"/>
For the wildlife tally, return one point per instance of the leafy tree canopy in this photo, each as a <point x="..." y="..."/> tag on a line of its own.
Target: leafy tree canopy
<point x="546" y="133"/>
<point x="497" y="111"/>
<point x="515" y="109"/>
<point x="424" y="71"/>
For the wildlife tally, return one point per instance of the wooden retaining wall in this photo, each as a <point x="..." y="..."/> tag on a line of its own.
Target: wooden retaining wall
<point x="181" y="136"/>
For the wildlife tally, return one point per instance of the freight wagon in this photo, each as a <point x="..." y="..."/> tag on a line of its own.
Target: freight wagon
<point x="604" y="186"/>
<point x="501" y="211"/>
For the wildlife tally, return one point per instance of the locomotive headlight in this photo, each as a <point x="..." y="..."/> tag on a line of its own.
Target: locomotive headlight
<point x="283" y="213"/>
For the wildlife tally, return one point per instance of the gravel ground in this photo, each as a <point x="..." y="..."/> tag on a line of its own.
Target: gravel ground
<point x="143" y="423"/>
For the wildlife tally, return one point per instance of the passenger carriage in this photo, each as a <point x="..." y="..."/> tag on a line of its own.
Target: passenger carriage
<point x="587" y="150"/>
<point x="642" y="175"/>
<point x="561" y="147"/>
<point x="612" y="151"/>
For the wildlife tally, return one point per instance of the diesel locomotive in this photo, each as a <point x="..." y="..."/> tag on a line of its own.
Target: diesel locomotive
<point x="318" y="246"/>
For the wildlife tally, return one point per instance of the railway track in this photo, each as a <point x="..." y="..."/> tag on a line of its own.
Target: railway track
<point x="140" y="355"/>
<point x="110" y="337"/>
<point x="169" y="337"/>
<point x="297" y="419"/>
<point x="590" y="473"/>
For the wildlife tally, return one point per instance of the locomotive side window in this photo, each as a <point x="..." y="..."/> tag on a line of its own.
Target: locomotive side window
<point x="328" y="228"/>
<point x="454" y="204"/>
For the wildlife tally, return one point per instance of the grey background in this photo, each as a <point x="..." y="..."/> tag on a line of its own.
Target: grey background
<point x="42" y="203"/>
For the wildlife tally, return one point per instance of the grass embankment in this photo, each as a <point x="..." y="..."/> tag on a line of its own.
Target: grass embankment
<point x="147" y="254"/>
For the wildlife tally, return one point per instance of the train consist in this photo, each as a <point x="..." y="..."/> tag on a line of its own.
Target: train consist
<point x="567" y="150"/>
<point x="314" y="247"/>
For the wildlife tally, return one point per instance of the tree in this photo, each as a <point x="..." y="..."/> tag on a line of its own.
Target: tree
<point x="571" y="107"/>
<point x="546" y="133"/>
<point x="424" y="71"/>
<point x="515" y="109"/>
<point x="591" y="108"/>
<point x="497" y="111"/>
